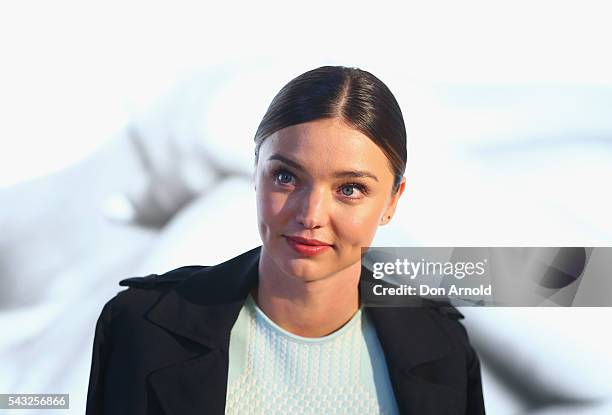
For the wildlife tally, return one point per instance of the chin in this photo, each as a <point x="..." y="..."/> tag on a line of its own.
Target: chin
<point x="302" y="268"/>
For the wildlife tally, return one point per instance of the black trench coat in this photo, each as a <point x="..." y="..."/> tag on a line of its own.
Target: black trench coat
<point x="161" y="347"/>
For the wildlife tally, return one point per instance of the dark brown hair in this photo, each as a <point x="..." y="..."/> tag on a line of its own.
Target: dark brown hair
<point x="356" y="96"/>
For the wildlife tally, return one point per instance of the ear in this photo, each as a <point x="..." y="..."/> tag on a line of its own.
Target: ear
<point x="390" y="210"/>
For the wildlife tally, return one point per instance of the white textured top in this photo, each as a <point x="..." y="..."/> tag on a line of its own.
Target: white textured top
<point x="272" y="371"/>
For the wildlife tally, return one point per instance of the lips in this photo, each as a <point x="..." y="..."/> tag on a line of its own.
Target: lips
<point x="305" y="241"/>
<point x="307" y="247"/>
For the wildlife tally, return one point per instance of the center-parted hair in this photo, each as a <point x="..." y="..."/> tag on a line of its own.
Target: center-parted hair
<point x="356" y="96"/>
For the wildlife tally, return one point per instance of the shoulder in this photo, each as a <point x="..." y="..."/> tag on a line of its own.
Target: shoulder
<point x="437" y="320"/>
<point x="143" y="291"/>
<point x="437" y="316"/>
<point x="155" y="280"/>
<point x="444" y="308"/>
<point x="124" y="320"/>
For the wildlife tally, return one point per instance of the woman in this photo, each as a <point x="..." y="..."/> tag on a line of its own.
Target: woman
<point x="280" y="329"/>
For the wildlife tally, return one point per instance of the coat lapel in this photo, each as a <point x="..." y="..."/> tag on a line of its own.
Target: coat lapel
<point x="204" y="308"/>
<point x="415" y="347"/>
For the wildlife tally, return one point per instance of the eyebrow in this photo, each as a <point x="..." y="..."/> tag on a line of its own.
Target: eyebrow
<point x="338" y="174"/>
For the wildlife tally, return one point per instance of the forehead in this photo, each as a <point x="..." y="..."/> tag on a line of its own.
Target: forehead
<point x="325" y="143"/>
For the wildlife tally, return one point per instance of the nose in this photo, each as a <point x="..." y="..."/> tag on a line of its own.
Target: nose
<point x="313" y="208"/>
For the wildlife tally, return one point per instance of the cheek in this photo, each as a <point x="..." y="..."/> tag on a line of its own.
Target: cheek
<point x="269" y="207"/>
<point x="358" y="227"/>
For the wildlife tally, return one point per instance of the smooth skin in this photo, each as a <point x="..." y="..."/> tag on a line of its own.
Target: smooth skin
<point x="300" y="193"/>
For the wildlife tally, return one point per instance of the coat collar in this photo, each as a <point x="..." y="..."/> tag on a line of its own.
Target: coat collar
<point x="204" y="307"/>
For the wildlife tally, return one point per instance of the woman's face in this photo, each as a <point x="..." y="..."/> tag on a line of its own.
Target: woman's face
<point x="326" y="181"/>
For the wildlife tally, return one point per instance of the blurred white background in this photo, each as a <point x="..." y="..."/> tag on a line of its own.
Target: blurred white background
<point x="126" y="145"/>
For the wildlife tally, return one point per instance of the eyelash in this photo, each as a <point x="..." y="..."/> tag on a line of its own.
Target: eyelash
<point x="363" y="189"/>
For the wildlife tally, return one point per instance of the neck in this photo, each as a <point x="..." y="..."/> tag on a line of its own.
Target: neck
<point x="307" y="308"/>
